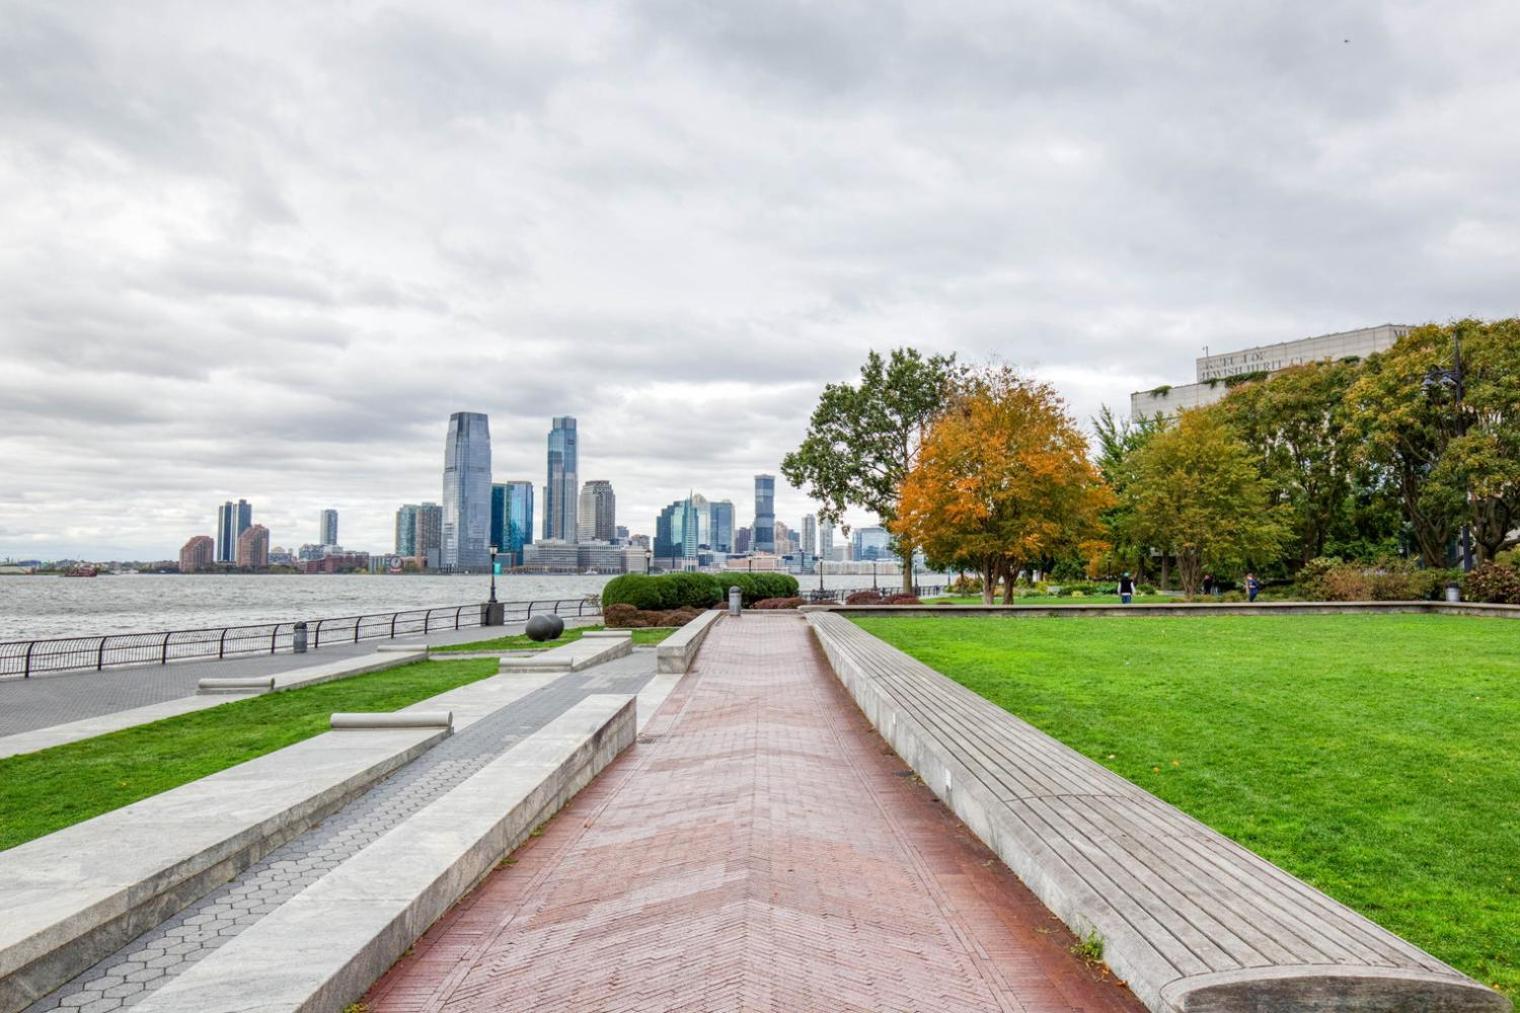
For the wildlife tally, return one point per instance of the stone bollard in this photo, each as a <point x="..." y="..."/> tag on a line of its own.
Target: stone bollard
<point x="298" y="638"/>
<point x="735" y="600"/>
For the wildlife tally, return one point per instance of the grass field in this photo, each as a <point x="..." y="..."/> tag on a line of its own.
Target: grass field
<point x="1377" y="757"/>
<point x="55" y="788"/>
<point x="520" y="642"/>
<point x="1047" y="599"/>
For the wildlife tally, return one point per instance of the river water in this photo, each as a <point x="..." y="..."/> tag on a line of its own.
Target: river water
<point x="42" y="607"/>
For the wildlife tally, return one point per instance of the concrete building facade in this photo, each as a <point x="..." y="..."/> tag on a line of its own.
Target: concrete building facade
<point x="253" y="548"/>
<point x="197" y="554"/>
<point x="597" y="512"/>
<point x="327" y="527"/>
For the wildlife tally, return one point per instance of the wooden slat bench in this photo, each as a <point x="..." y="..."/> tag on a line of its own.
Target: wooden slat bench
<point x="1194" y="922"/>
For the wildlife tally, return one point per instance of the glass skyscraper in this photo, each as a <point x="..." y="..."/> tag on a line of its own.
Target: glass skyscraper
<point x="327" y="528"/>
<point x="722" y="511"/>
<point x="561" y="492"/>
<point x="467" y="492"/>
<point x="512" y="519"/>
<point x="232" y="519"/>
<point x="764" y="537"/>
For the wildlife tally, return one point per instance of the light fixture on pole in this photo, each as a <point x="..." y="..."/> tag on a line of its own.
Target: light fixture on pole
<point x="493" y="574"/>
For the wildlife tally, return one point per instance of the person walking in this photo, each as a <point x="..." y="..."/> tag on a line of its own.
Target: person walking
<point x="1208" y="583"/>
<point x="1253" y="587"/>
<point x="1126" y="589"/>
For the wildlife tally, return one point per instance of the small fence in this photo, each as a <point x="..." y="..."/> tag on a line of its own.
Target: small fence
<point x="819" y="595"/>
<point x="26" y="658"/>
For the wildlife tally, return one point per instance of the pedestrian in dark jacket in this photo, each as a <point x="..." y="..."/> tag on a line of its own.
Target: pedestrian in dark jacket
<point x="1253" y="586"/>
<point x="1126" y="589"/>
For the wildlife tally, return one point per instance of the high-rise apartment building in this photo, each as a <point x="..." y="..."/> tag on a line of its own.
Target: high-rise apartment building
<point x="742" y="539"/>
<point x="560" y="491"/>
<point x="232" y="519"/>
<point x="466" y="492"/>
<point x="809" y="537"/>
<point x="428" y="537"/>
<point x="722" y="525"/>
<point x="763" y="538"/>
<point x="327" y="527"/>
<point x="253" y="548"/>
<point x="406" y="530"/>
<point x="785" y="541"/>
<point x="198" y="553"/>
<point x="826" y="540"/>
<point x="597" y="514"/>
<point x="871" y="543"/>
<point x="512" y="519"/>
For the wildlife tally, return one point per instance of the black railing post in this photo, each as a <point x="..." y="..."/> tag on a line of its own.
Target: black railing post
<point x="221" y="645"/>
<point x="100" y="654"/>
<point x="357" y="623"/>
<point x="164" y="660"/>
<point x="316" y="639"/>
<point x="456" y="616"/>
<point x="274" y="638"/>
<point x="27" y="674"/>
<point x="393" y="624"/>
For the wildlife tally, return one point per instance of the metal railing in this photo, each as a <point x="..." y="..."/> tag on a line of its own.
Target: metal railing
<point x="25" y="658"/>
<point x="839" y="594"/>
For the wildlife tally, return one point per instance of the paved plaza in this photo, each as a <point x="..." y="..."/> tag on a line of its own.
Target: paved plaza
<point x="760" y="848"/>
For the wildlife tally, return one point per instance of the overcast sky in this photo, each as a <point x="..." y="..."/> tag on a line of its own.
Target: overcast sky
<point x="265" y="254"/>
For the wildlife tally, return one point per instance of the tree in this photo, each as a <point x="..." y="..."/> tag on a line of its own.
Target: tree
<point x="1002" y="479"/>
<point x="863" y="440"/>
<point x="1196" y="493"/>
<point x="1118" y="440"/>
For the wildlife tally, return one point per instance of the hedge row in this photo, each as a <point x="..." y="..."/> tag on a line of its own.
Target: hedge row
<point x="694" y="590"/>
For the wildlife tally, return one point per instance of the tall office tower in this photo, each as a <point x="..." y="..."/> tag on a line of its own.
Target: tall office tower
<point x="561" y="489"/>
<point x="783" y="539"/>
<point x="721" y="512"/>
<point x="826" y="540"/>
<point x="597" y="513"/>
<point x="427" y="539"/>
<point x="231" y="521"/>
<point x="406" y="530"/>
<point x="763" y="538"/>
<point x="696" y="525"/>
<point x="621" y="535"/>
<point x="466" y="492"/>
<point x="742" y="540"/>
<point x="197" y="554"/>
<point x="328" y="527"/>
<point x="519" y="520"/>
<point x="871" y="543"/>
<point x="253" y="547"/>
<point x="809" y="537"/>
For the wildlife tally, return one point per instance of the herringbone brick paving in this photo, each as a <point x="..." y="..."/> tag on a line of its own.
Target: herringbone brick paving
<point x="759" y="849"/>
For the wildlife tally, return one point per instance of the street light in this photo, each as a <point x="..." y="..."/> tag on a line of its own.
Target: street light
<point x="1436" y="383"/>
<point x="493" y="574"/>
<point x="873" y="574"/>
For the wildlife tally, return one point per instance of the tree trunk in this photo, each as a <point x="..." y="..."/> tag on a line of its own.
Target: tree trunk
<point x="1190" y="570"/>
<point x="989" y="579"/>
<point x="1166" y="573"/>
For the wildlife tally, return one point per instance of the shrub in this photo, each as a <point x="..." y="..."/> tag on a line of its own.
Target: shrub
<point x="1494" y="583"/>
<point x="1146" y="588"/>
<point x="627" y="617"/>
<point x="865" y="598"/>
<point x="778" y="603"/>
<point x="965" y="584"/>
<point x="902" y="599"/>
<point x="1386" y="580"/>
<point x="694" y="590"/>
<point x="1234" y="596"/>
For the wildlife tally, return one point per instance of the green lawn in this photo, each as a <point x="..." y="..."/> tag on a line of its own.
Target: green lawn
<point x="520" y="642"/>
<point x="1377" y="757"/>
<point x="55" y="788"/>
<point x="1047" y="599"/>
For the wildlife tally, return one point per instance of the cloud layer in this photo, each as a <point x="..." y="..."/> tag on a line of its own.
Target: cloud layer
<point x="264" y="251"/>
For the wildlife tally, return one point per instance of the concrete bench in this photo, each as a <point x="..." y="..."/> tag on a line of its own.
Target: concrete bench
<point x="1191" y="920"/>
<point x="676" y="652"/>
<point x="572" y="657"/>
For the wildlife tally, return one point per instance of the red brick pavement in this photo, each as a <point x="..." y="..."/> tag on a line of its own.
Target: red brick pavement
<point x="759" y="849"/>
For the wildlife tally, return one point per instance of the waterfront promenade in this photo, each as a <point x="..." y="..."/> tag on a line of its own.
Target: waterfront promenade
<point x="759" y="848"/>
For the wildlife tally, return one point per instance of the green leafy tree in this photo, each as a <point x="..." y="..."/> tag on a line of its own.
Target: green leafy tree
<point x="863" y="439"/>
<point x="1195" y="492"/>
<point x="1117" y="441"/>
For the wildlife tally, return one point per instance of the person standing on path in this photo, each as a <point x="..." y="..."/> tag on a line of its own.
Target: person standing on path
<point x="1253" y="587"/>
<point x="1126" y="589"/>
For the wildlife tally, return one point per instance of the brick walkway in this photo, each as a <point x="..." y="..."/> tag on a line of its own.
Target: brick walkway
<point x="760" y="849"/>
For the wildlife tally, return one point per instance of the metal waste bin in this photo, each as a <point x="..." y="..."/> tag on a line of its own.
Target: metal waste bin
<point x="1453" y="593"/>
<point x="298" y="638"/>
<point x="735" y="600"/>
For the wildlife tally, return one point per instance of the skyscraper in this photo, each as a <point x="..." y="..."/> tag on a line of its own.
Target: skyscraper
<point x="253" y="548"/>
<point x="406" y="530"/>
<point x="763" y="538"/>
<point x="826" y="540"/>
<point x="561" y="490"/>
<point x="231" y="521"/>
<point x="466" y="492"/>
<point x="722" y="511"/>
<point x="809" y="537"/>
<point x="872" y="543"/>
<point x="597" y="512"/>
<point x="197" y="554"/>
<point x="327" y="527"/>
<point x="429" y="534"/>
<point x="512" y="518"/>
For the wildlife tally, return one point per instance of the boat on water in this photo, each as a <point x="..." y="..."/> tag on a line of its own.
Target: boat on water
<point x="81" y="571"/>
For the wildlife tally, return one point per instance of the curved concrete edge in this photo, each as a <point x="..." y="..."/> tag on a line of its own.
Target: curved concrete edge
<point x="236" y="684"/>
<point x="571" y="657"/>
<point x="87" y="728"/>
<point x="1312" y="987"/>
<point x="1190" y="609"/>
<point x="351" y="721"/>
<point x="324" y="948"/>
<point x="675" y="653"/>
<point x="1127" y="950"/>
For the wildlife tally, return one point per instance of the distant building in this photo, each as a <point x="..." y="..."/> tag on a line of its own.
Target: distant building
<point x="253" y="548"/>
<point x="232" y="519"/>
<point x="722" y="525"/>
<point x="337" y="562"/>
<point x="281" y="557"/>
<point x="871" y="543"/>
<point x="826" y="540"/>
<point x="466" y="492"/>
<point x="554" y="556"/>
<point x="622" y="534"/>
<point x="741" y="541"/>
<point x="763" y="537"/>
<point x="1214" y="372"/>
<point x="809" y="537"/>
<point x="560" y="490"/>
<point x="597" y="513"/>
<point x="783" y="543"/>
<point x="327" y="527"/>
<point x="429" y="535"/>
<point x="512" y="518"/>
<point x="756" y="562"/>
<point x="406" y="530"/>
<point x="198" y="553"/>
<point x="310" y="551"/>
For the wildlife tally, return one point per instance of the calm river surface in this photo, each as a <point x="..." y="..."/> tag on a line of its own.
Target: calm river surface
<point x="40" y="607"/>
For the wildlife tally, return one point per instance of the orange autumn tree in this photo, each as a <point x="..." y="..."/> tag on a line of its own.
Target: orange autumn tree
<point x="1003" y="480"/>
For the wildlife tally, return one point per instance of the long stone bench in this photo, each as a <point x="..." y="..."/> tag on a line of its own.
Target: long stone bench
<point x="572" y="657"/>
<point x="1194" y="922"/>
<point x="328" y="944"/>
<point x="676" y="652"/>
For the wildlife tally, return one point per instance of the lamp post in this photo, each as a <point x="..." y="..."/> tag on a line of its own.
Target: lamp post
<point x="873" y="574"/>
<point x="493" y="574"/>
<point x="493" y="612"/>
<point x="1437" y="381"/>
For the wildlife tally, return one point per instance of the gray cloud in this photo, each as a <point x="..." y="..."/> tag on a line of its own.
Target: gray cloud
<point x="264" y="251"/>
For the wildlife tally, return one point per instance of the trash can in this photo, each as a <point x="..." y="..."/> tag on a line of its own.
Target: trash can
<point x="1453" y="593"/>
<point x="298" y="638"/>
<point x="735" y="600"/>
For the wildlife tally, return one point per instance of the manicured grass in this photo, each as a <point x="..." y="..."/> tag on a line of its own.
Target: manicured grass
<point x="1377" y="757"/>
<point x="1046" y="599"/>
<point x="55" y="788"/>
<point x="520" y="642"/>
